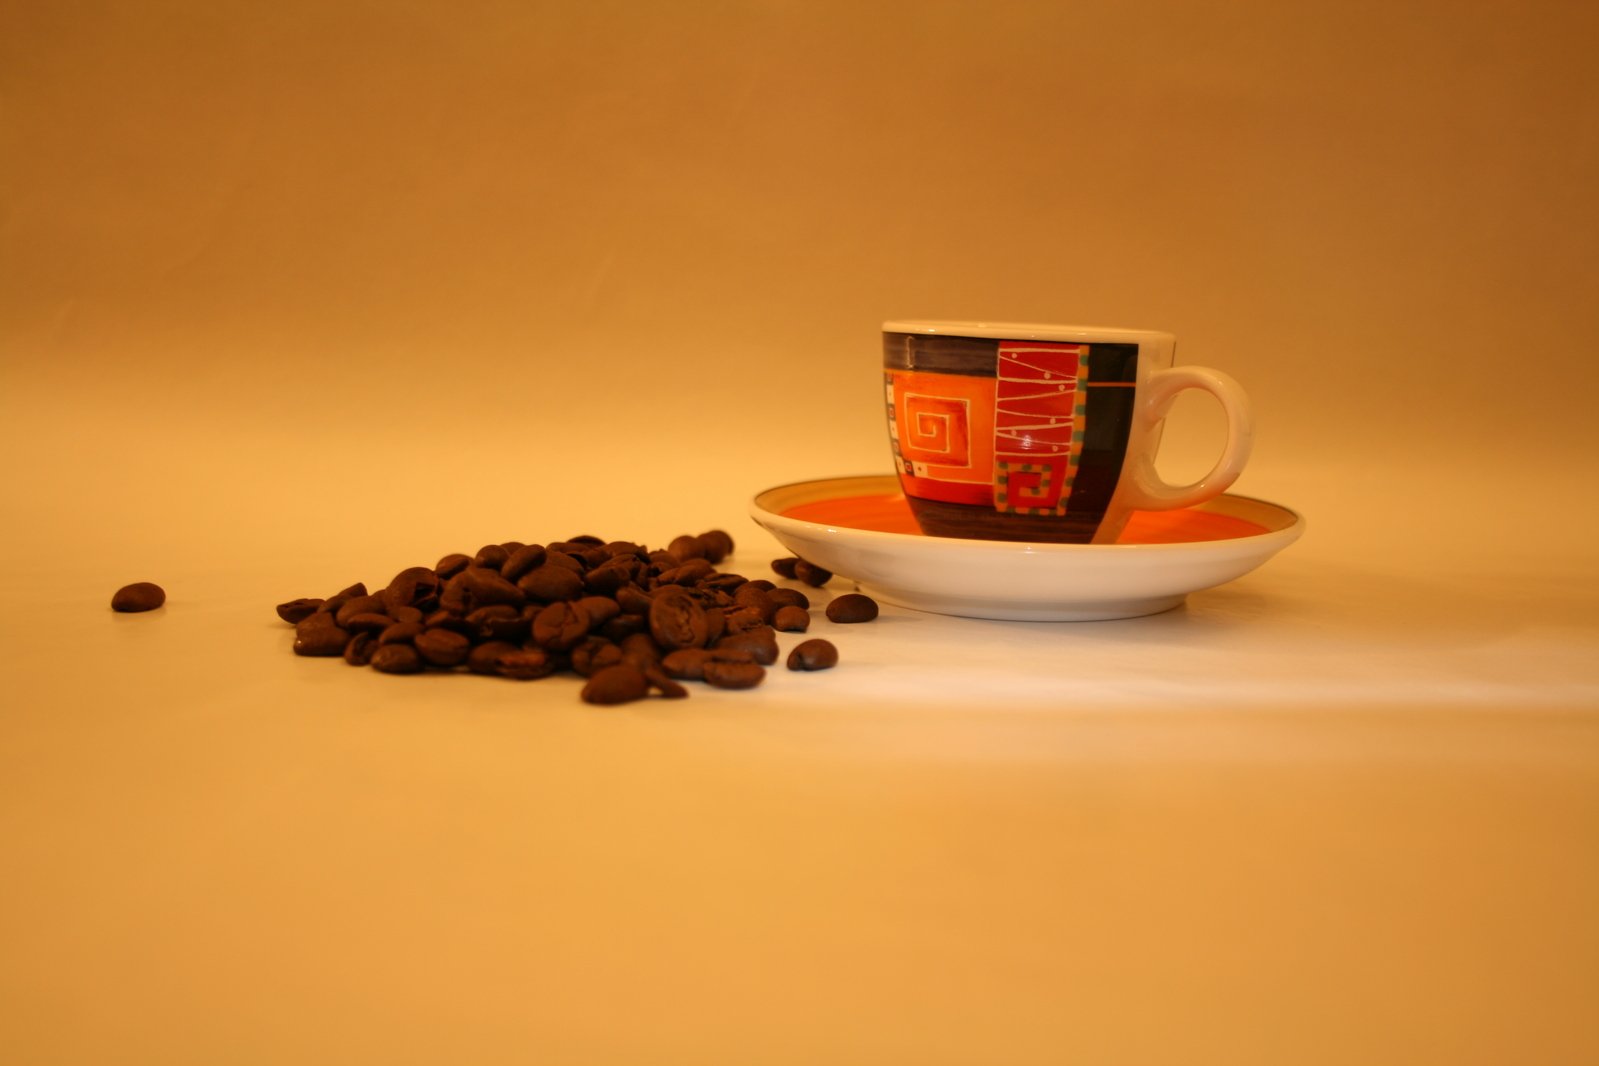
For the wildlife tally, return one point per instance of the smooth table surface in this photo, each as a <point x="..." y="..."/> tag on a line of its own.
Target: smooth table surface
<point x="1344" y="809"/>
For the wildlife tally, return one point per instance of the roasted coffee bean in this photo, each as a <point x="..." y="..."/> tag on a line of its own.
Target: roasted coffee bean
<point x="718" y="545"/>
<point x="491" y="556"/>
<point x="396" y="659"/>
<point x="442" y="647"/>
<point x="400" y="633"/>
<point x="499" y="621"/>
<point x="686" y="548"/>
<point x="139" y="596"/>
<point x="600" y="609"/>
<point x="451" y="565"/>
<point x="551" y="582"/>
<point x="715" y="624"/>
<point x="582" y="657"/>
<point x="814" y="654"/>
<point x="639" y="648"/>
<point x="785" y="567"/>
<point x="564" y="559"/>
<point x="751" y="595"/>
<point x="368" y="622"/>
<point x="442" y="619"/>
<point x="407" y="614"/>
<point x="663" y="684"/>
<point x="760" y="642"/>
<point x="686" y="664"/>
<point x="728" y="583"/>
<point x="812" y="574"/>
<point x="791" y="620"/>
<point x="315" y="620"/>
<point x="296" y="610"/>
<point x="733" y="675"/>
<point x="319" y="639"/>
<point x="621" y="683"/>
<point x="691" y="572"/>
<point x="337" y="600"/>
<point x="525" y="558"/>
<point x="625" y="625"/>
<point x="525" y="664"/>
<point x="609" y="655"/>
<point x="358" y="605"/>
<point x="561" y="626"/>
<point x="677" y="621"/>
<point x="604" y="580"/>
<point x="410" y="587"/>
<point x="592" y="557"/>
<point x="619" y="548"/>
<point x="485" y="587"/>
<point x="633" y="601"/>
<point x="852" y="607"/>
<point x="485" y="657"/>
<point x="742" y="619"/>
<point x="790" y="598"/>
<point x="358" y="652"/>
<point x="455" y="598"/>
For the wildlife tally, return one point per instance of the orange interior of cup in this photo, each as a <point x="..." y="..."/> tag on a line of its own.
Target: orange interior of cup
<point x="891" y="514"/>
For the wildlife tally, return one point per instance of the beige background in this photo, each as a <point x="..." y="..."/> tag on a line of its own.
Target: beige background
<point x="293" y="293"/>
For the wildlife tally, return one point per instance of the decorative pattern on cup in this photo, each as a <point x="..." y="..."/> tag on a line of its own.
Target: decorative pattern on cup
<point x="1008" y="439"/>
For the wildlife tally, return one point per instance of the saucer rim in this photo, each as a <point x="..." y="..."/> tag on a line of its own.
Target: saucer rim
<point x="1288" y="533"/>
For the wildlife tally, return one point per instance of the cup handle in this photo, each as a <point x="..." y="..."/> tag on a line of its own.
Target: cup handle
<point x="1146" y="490"/>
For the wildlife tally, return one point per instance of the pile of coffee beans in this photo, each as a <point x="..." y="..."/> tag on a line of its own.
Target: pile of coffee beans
<point x="629" y="620"/>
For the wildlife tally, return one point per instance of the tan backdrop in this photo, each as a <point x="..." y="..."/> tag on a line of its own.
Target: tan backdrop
<point x="296" y="291"/>
<point x="483" y="232"/>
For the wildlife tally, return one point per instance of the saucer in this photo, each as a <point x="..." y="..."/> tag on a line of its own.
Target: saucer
<point x="861" y="529"/>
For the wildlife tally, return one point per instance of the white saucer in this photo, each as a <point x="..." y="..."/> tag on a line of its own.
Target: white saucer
<point x="859" y="528"/>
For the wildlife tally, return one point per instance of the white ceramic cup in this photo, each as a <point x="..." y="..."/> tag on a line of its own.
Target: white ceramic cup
<point x="1018" y="431"/>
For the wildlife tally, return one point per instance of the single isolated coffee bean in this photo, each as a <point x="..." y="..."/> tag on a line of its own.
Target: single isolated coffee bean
<point x="815" y="654"/>
<point x="139" y="596"/>
<point x="852" y="607"/>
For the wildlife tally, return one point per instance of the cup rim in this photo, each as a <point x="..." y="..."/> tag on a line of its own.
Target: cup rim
<point x="1031" y="331"/>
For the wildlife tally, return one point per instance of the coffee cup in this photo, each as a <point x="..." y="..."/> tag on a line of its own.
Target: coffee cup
<point x="1015" y="431"/>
